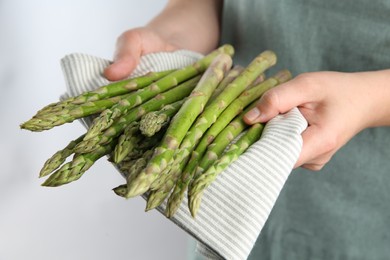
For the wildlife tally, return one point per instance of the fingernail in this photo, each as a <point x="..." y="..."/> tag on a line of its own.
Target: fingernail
<point x="253" y="114"/>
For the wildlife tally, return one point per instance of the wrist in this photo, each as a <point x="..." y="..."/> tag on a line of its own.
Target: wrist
<point x="377" y="93"/>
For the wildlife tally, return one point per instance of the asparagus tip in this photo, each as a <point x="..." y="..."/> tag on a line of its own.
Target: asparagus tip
<point x="149" y="207"/>
<point x="194" y="203"/>
<point x="155" y="199"/>
<point x="151" y="123"/>
<point x="270" y="56"/>
<point x="228" y="49"/>
<point x="283" y="75"/>
<point x="121" y="190"/>
<point x="173" y="204"/>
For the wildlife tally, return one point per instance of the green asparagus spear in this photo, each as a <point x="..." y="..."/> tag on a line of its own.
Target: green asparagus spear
<point x="138" y="165"/>
<point x="131" y="169"/>
<point x="130" y="139"/>
<point x="227" y="115"/>
<point x="121" y="87"/>
<point x="59" y="157"/>
<point x="68" y="110"/>
<point x="131" y="143"/>
<point x="204" y="180"/>
<point x="212" y="111"/>
<point x="221" y="142"/>
<point x="111" y="90"/>
<point x="152" y="122"/>
<point x="107" y="117"/>
<point x="121" y="190"/>
<point x="198" y="163"/>
<point x="257" y="81"/>
<point x="231" y="92"/>
<point x="234" y="109"/>
<point x="239" y="104"/>
<point x="130" y="166"/>
<point x="163" y="187"/>
<point x="180" y="124"/>
<point x="49" y="118"/>
<point x="73" y="170"/>
<point x="168" y="97"/>
<point x="231" y="75"/>
<point x="225" y="107"/>
<point x="161" y="180"/>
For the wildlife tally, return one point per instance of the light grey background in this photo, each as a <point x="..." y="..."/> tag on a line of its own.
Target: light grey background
<point x="85" y="219"/>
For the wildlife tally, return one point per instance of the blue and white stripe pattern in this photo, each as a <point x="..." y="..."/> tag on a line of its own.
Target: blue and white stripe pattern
<point x="236" y="206"/>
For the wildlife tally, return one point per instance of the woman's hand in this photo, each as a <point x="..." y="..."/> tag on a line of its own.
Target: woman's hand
<point x="183" y="24"/>
<point x="336" y="106"/>
<point x="131" y="45"/>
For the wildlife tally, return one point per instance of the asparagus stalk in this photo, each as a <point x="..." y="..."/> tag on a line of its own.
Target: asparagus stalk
<point x="225" y="107"/>
<point x="257" y="81"/>
<point x="221" y="142"/>
<point x="111" y="90"/>
<point x="138" y="165"/>
<point x="204" y="180"/>
<point x="231" y="75"/>
<point x="180" y="124"/>
<point x="129" y="140"/>
<point x="234" y="109"/>
<point x="131" y="170"/>
<point x="168" y="97"/>
<point x="152" y="122"/>
<point x="73" y="170"/>
<point x="163" y="187"/>
<point x="59" y="158"/>
<point x="55" y="116"/>
<point x="161" y="180"/>
<point x="121" y="87"/>
<point x="132" y="142"/>
<point x="212" y="111"/>
<point x="128" y="167"/>
<point x="199" y="162"/>
<point x="107" y="118"/>
<point x="231" y="92"/>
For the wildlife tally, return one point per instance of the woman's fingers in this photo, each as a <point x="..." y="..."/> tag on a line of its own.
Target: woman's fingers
<point x="294" y="93"/>
<point x="127" y="55"/>
<point x="318" y="148"/>
<point x="131" y="45"/>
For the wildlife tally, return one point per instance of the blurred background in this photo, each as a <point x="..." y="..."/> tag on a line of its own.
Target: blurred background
<point x="84" y="219"/>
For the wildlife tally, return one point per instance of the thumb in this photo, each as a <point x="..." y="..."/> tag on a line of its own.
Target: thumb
<point x="280" y="99"/>
<point x="127" y="56"/>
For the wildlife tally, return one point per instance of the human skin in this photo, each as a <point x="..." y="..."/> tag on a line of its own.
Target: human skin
<point x="336" y="105"/>
<point x="182" y="24"/>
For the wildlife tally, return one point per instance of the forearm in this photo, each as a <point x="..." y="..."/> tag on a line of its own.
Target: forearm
<point x="190" y="24"/>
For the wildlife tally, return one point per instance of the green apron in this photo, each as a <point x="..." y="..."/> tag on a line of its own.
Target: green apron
<point x="342" y="211"/>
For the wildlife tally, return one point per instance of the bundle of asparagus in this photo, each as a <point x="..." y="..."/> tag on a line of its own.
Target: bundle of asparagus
<point x="168" y="132"/>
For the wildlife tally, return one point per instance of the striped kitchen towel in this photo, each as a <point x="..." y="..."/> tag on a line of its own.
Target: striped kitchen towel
<point x="236" y="206"/>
